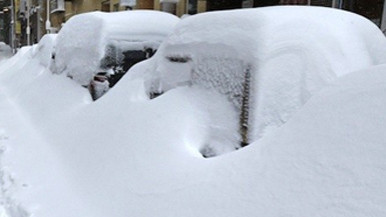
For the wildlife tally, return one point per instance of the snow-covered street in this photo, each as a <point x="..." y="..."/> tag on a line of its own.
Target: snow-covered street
<point x="316" y="117"/>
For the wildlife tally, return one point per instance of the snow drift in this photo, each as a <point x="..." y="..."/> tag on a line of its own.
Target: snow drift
<point x="63" y="155"/>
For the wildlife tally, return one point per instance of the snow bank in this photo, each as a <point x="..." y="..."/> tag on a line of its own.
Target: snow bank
<point x="85" y="38"/>
<point x="289" y="52"/>
<point x="328" y="160"/>
<point x="25" y="76"/>
<point x="21" y="58"/>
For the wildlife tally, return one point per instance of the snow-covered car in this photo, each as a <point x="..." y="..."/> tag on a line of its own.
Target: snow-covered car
<point x="108" y="43"/>
<point x="267" y="62"/>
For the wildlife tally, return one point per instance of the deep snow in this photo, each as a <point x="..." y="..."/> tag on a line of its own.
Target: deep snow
<point x="64" y="155"/>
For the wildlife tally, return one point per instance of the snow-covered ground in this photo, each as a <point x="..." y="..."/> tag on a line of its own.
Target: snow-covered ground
<point x="64" y="155"/>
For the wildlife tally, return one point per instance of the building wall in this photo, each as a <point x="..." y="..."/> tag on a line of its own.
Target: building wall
<point x="114" y="6"/>
<point x="57" y="19"/>
<point x="145" y="4"/>
<point x="181" y="6"/>
<point x="82" y="6"/>
<point x="383" y="22"/>
<point x="72" y="8"/>
<point x="157" y="5"/>
<point x="141" y="4"/>
<point x="201" y="6"/>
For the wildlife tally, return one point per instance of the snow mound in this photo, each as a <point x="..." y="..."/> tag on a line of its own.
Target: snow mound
<point x="84" y="40"/>
<point x="328" y="160"/>
<point x="267" y="67"/>
<point x="17" y="61"/>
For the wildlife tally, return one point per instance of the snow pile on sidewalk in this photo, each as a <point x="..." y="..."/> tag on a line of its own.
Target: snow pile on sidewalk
<point x="84" y="40"/>
<point x="288" y="59"/>
<point x="68" y="156"/>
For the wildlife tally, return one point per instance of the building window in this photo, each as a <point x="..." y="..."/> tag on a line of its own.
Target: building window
<point x="263" y="3"/>
<point x="213" y="5"/>
<point x="57" y="6"/>
<point x="294" y="2"/>
<point x="326" y="3"/>
<point x="192" y="6"/>
<point x="116" y="7"/>
<point x="372" y="9"/>
<point x="105" y="6"/>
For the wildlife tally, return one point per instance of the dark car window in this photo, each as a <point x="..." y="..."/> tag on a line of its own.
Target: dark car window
<point x="121" y="61"/>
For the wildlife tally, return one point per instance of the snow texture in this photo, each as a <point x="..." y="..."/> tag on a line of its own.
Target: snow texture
<point x="45" y="50"/>
<point x="64" y="155"/>
<point x="85" y="39"/>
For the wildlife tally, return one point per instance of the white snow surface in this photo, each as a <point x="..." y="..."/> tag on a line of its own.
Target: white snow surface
<point x="83" y="40"/>
<point x="45" y="49"/>
<point x="293" y="51"/>
<point x="64" y="155"/>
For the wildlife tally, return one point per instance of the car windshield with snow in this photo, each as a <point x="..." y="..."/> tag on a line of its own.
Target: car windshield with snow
<point x="264" y="66"/>
<point x="96" y="49"/>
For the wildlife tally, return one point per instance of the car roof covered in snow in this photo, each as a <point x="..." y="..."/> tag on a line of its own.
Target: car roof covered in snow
<point x="124" y="25"/>
<point x="349" y="40"/>
<point x="82" y="41"/>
